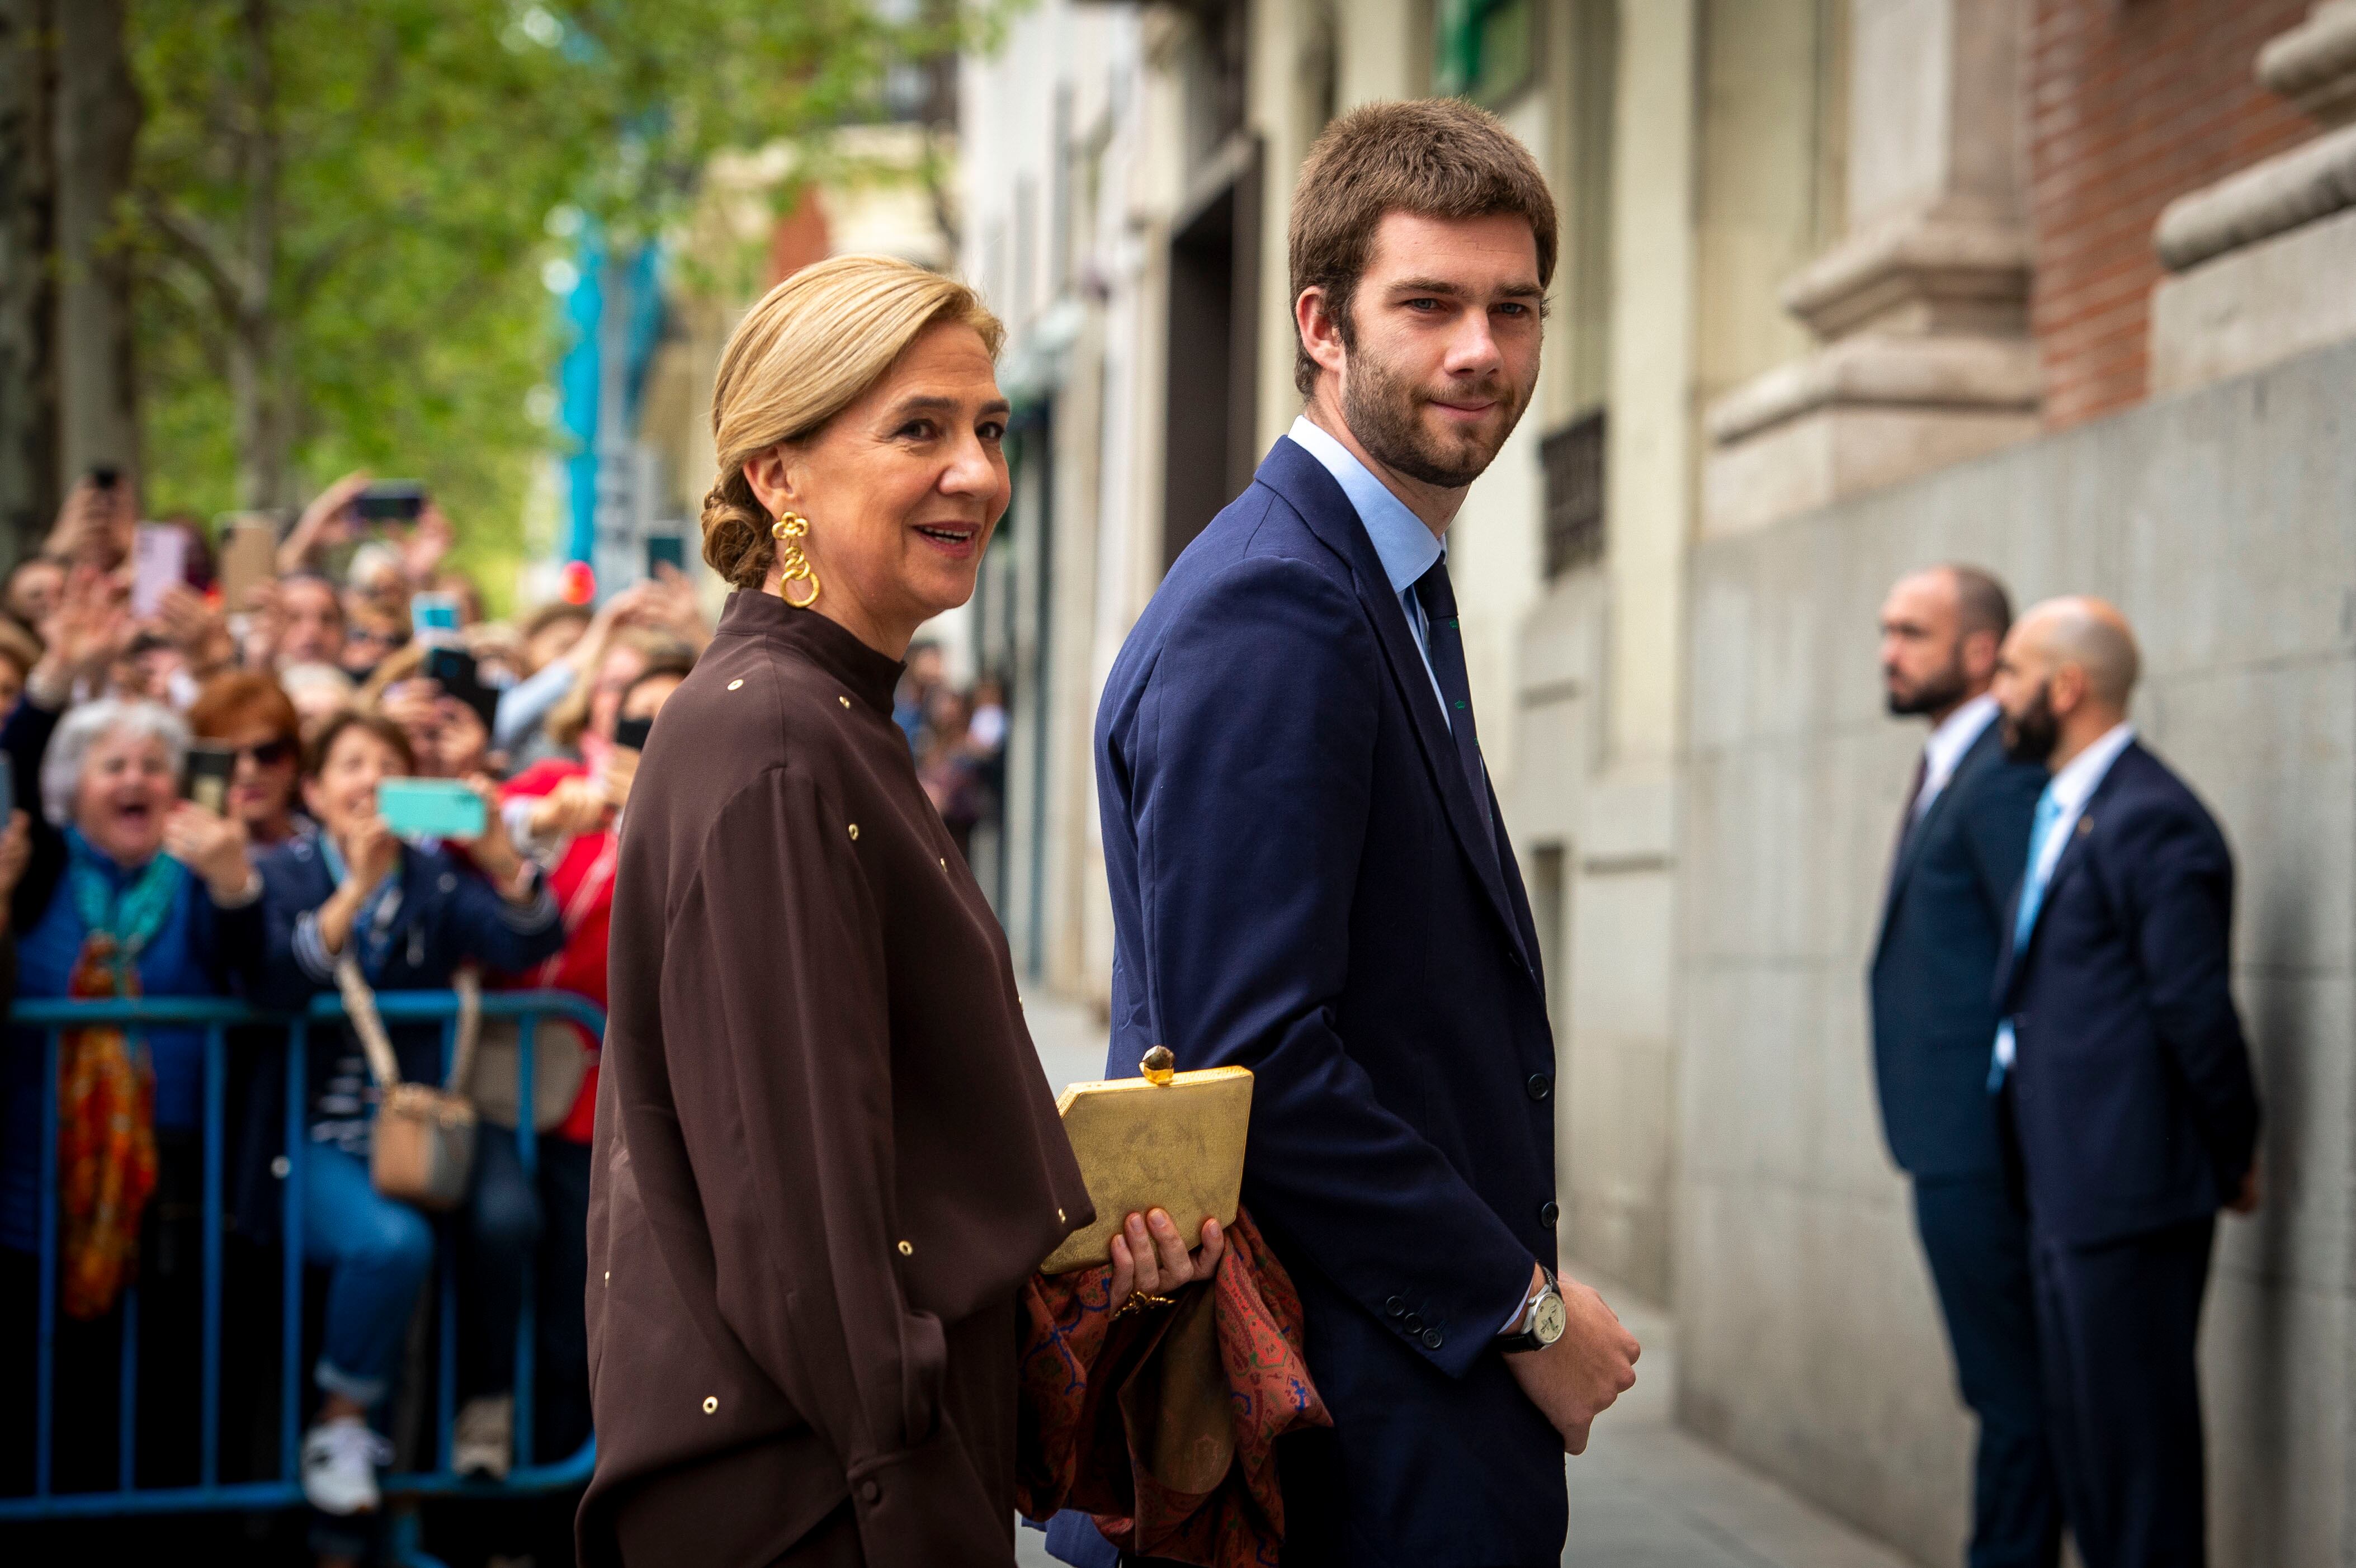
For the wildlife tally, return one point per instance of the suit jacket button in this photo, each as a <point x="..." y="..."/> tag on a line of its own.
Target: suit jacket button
<point x="1432" y="1339"/>
<point x="1414" y="1324"/>
<point x="1396" y="1306"/>
<point x="868" y="1492"/>
<point x="1541" y="1084"/>
<point x="1549" y="1212"/>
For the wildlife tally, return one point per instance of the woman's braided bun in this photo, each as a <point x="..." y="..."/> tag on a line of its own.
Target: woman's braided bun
<point x="801" y="356"/>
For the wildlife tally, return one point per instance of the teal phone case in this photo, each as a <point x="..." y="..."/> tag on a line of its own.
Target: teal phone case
<point x="430" y="807"/>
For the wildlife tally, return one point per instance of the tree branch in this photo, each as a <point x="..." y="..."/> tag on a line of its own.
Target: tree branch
<point x="193" y="242"/>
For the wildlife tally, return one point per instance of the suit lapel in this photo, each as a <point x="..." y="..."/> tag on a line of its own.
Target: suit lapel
<point x="1301" y="480"/>
<point x="1910" y="851"/>
<point x="2073" y="856"/>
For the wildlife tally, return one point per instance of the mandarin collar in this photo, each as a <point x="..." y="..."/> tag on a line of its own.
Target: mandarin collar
<point x="871" y="676"/>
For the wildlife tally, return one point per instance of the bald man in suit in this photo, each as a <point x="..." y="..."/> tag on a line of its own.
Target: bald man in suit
<point x="2124" y="1081"/>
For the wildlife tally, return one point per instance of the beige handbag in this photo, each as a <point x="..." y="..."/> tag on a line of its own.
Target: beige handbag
<point x="560" y="1062"/>
<point x="422" y="1147"/>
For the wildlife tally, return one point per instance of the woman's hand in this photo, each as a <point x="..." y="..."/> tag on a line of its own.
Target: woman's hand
<point x="331" y="515"/>
<point x="15" y="853"/>
<point x="369" y="857"/>
<point x="213" y="846"/>
<point x="81" y="638"/>
<point x="200" y="632"/>
<point x="1149" y="1258"/>
<point x="493" y="851"/>
<point x="575" y="806"/>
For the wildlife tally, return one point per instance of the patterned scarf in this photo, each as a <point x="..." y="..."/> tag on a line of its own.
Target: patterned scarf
<point x="106" y="1087"/>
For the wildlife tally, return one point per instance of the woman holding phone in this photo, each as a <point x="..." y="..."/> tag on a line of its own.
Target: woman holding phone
<point x="410" y="915"/>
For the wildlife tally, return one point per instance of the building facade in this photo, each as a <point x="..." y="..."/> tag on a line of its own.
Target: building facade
<point x="1847" y="287"/>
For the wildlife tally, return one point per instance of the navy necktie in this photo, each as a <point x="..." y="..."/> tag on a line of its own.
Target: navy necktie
<point x="1444" y="641"/>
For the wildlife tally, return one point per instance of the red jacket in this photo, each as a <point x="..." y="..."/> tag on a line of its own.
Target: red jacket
<point x="582" y="882"/>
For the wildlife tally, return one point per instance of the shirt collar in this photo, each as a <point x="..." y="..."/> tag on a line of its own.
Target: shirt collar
<point x="1943" y="751"/>
<point x="1405" y="546"/>
<point x="2075" y="783"/>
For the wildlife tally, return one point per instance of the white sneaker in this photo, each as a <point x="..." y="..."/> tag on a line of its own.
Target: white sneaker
<point x="340" y="1464"/>
<point x="484" y="1442"/>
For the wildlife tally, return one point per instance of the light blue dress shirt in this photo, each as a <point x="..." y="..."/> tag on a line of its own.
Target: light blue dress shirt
<point x="1406" y="547"/>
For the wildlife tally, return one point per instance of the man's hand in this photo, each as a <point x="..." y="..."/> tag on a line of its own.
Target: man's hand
<point x="1575" y="1379"/>
<point x="2253" y="1191"/>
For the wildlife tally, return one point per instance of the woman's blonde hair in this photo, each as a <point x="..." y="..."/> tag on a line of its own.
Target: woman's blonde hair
<point x="801" y="356"/>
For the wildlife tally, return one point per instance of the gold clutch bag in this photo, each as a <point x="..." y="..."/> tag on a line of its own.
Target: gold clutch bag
<point x="1173" y="1141"/>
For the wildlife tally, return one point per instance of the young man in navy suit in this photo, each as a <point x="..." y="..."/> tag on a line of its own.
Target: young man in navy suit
<point x="1961" y="837"/>
<point x="2122" y="1072"/>
<point x="1310" y="876"/>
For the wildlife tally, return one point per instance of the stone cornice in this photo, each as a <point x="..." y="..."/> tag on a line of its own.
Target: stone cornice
<point x="2310" y="181"/>
<point x="2314" y="64"/>
<point x="1965" y="374"/>
<point x="1915" y="256"/>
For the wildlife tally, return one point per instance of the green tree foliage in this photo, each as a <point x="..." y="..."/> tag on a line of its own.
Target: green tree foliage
<point x="343" y="212"/>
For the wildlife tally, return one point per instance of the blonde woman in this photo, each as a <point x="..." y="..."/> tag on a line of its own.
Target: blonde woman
<point x="826" y="1159"/>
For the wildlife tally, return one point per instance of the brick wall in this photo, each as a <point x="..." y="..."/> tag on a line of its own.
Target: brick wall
<point x="2132" y="103"/>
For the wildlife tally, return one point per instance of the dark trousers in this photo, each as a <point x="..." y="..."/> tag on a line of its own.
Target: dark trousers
<point x="2117" y="1325"/>
<point x="1977" y="1240"/>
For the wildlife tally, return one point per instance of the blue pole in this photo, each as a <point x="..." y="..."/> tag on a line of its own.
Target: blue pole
<point x="209" y="1462"/>
<point x="44" y="1380"/>
<point x="527" y="1316"/>
<point x="290" y="1248"/>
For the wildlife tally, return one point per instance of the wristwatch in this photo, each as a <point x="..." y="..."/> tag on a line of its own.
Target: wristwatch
<point x="1542" y="1322"/>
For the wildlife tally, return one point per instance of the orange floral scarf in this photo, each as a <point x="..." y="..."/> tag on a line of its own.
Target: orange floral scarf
<point x="106" y="1139"/>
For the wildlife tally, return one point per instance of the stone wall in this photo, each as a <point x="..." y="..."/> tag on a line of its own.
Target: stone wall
<point x="2224" y="524"/>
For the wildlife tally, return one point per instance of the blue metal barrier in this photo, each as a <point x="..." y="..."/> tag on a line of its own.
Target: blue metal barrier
<point x="216" y="1017"/>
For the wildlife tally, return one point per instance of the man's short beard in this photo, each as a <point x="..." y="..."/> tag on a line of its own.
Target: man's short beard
<point x="2032" y="737"/>
<point x="1380" y="407"/>
<point x="1944" y="689"/>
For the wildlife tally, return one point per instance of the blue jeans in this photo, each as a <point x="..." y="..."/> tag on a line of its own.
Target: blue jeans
<point x="499" y="1232"/>
<point x="377" y="1252"/>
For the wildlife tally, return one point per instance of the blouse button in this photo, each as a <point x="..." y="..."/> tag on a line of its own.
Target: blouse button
<point x="844" y="700"/>
<point x="906" y="1250"/>
<point x="711" y="1403"/>
<point x="1059" y="1217"/>
<point x="854" y="831"/>
<point x="736" y="683"/>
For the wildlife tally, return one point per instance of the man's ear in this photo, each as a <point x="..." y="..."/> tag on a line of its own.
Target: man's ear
<point x="1320" y="329"/>
<point x="2066" y="692"/>
<point x="1978" y="655"/>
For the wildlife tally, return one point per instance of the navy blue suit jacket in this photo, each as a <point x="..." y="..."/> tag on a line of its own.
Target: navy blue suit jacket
<point x="1942" y="925"/>
<point x="2131" y="1093"/>
<point x="1301" y="884"/>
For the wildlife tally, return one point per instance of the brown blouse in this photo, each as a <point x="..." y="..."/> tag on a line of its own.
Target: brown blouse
<point x="826" y="1157"/>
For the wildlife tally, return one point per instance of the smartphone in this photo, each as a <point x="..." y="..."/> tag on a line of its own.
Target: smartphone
<point x="665" y="550"/>
<point x="248" y="559"/>
<point x="630" y="735"/>
<point x="104" y="476"/>
<point x="454" y="669"/>
<point x="434" y="614"/>
<point x="159" y="562"/>
<point x="210" y="770"/>
<point x="430" y="808"/>
<point x="391" y="501"/>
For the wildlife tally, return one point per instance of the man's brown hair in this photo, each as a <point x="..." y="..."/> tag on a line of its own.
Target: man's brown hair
<point x="1435" y="158"/>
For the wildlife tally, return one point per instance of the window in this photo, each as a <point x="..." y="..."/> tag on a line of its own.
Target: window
<point x="1573" y="459"/>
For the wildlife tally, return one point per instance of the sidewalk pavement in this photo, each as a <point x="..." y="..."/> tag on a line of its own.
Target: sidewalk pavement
<point x="1645" y="1493"/>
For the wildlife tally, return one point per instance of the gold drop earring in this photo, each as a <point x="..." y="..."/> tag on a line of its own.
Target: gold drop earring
<point x="794" y="567"/>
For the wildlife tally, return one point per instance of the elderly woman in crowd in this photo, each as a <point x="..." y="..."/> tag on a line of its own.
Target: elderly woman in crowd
<point x="827" y="1160"/>
<point x="410" y="915"/>
<point x="129" y="891"/>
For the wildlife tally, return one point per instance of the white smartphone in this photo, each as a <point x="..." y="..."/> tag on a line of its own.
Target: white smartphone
<point x="159" y="561"/>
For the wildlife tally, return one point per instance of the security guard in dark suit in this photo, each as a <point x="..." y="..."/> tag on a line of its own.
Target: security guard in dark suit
<point x="1962" y="839"/>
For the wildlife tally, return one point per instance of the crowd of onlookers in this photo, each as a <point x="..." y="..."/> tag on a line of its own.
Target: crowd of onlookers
<point x="358" y="659"/>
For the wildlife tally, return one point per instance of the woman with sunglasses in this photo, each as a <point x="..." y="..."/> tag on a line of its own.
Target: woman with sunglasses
<point x="247" y="711"/>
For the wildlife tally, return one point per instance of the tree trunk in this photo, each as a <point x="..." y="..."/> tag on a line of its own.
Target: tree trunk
<point x="259" y="382"/>
<point x="28" y="390"/>
<point x="97" y="117"/>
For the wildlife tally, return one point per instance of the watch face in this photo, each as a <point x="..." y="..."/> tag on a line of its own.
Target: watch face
<point x="1549" y="1320"/>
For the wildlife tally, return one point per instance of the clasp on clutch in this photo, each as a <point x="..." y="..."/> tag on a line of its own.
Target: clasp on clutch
<point x="1159" y="1066"/>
